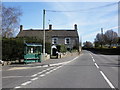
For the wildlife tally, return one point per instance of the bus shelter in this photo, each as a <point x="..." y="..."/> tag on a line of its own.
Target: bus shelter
<point x="32" y="52"/>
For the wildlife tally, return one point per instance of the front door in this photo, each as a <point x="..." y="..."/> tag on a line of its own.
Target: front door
<point x="54" y="50"/>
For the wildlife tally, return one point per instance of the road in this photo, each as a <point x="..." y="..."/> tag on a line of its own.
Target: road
<point x="88" y="70"/>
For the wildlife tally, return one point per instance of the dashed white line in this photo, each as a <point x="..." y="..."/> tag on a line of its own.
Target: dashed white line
<point x="26" y="83"/>
<point x="54" y="69"/>
<point x="34" y="75"/>
<point x="42" y="75"/>
<point x="93" y="60"/>
<point x="45" y="66"/>
<point x="104" y="76"/>
<point x="96" y="65"/>
<point x="18" y="87"/>
<point x="64" y="62"/>
<point x="15" y="76"/>
<point x="107" y="80"/>
<point x="42" y="72"/>
<point x="34" y="78"/>
<point x="45" y="71"/>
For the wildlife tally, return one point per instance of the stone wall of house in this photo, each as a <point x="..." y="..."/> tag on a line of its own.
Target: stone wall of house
<point x="73" y="41"/>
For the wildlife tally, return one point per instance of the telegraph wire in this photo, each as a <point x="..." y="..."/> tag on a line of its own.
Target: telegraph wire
<point x="83" y="10"/>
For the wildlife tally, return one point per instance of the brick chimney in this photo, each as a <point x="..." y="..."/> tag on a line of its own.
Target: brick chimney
<point x="75" y="26"/>
<point x="50" y="27"/>
<point x="21" y="27"/>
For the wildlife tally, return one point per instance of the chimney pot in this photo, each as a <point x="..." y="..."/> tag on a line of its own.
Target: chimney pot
<point x="75" y="26"/>
<point x="50" y="27"/>
<point x="21" y="27"/>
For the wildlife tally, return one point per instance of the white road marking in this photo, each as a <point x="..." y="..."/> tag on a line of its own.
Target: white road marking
<point x="26" y="83"/>
<point x="45" y="71"/>
<point x="15" y="76"/>
<point x="50" y="68"/>
<point x="54" y="69"/>
<point x="64" y="62"/>
<point x="107" y="80"/>
<point x="37" y="67"/>
<point x="18" y="87"/>
<point x="104" y="76"/>
<point x="42" y="71"/>
<point x="45" y="66"/>
<point x="34" y="78"/>
<point x="34" y="75"/>
<point x="96" y="65"/>
<point x="42" y="75"/>
<point x="93" y="60"/>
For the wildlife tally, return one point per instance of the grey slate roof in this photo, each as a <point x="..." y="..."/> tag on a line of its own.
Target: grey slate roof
<point x="49" y="33"/>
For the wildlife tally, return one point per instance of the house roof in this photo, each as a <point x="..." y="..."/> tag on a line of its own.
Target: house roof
<point x="48" y="33"/>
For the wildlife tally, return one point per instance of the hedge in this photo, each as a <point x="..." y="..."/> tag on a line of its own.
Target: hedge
<point x="13" y="48"/>
<point x="106" y="51"/>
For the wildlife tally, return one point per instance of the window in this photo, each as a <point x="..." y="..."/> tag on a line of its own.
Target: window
<point x="54" y="40"/>
<point x="67" y="40"/>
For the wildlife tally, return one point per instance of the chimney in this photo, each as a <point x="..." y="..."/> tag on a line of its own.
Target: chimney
<point x="21" y="27"/>
<point x="75" y="26"/>
<point x="50" y="27"/>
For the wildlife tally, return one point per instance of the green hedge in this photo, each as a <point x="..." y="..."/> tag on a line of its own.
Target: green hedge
<point x="13" y="48"/>
<point x="106" y="51"/>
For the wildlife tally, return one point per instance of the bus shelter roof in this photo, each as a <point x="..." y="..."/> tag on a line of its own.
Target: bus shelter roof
<point x="33" y="44"/>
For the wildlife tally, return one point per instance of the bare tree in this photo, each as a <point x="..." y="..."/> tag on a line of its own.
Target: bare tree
<point x="10" y="20"/>
<point x="100" y="39"/>
<point x="88" y="44"/>
<point x="111" y="37"/>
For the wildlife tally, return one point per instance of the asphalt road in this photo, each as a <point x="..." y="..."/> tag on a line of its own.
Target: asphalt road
<point x="88" y="70"/>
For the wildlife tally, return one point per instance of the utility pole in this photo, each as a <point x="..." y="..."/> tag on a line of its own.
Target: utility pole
<point x="102" y="37"/>
<point x="44" y="34"/>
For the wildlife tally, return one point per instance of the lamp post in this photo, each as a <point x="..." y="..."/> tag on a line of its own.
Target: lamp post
<point x="44" y="34"/>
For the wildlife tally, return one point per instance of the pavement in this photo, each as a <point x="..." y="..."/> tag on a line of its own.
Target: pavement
<point x="45" y="63"/>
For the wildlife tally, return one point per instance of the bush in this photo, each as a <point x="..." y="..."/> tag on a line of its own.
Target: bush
<point x="13" y="48"/>
<point x="106" y="51"/>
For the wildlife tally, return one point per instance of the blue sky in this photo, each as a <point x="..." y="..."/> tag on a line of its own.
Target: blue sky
<point x="89" y="16"/>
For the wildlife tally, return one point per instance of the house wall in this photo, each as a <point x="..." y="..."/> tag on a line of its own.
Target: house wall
<point x="74" y="41"/>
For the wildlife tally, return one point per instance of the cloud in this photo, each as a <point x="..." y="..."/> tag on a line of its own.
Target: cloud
<point x="88" y="22"/>
<point x="93" y="34"/>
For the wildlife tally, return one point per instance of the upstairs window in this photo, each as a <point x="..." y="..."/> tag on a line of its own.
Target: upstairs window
<point x="67" y="40"/>
<point x="54" y="40"/>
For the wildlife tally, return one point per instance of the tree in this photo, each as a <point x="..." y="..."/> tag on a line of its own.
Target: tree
<point x="111" y="37"/>
<point x="87" y="44"/>
<point x="10" y="20"/>
<point x="99" y="39"/>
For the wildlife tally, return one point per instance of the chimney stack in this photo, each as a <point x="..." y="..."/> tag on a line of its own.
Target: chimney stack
<point x="75" y="26"/>
<point x="50" y="27"/>
<point x="21" y="27"/>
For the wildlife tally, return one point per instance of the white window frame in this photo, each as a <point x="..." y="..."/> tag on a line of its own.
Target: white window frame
<point x="66" y="40"/>
<point x="53" y="40"/>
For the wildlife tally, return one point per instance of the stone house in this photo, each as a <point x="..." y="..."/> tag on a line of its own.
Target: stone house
<point x="69" y="38"/>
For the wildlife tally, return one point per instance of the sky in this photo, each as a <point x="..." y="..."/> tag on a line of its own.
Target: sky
<point x="90" y="17"/>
